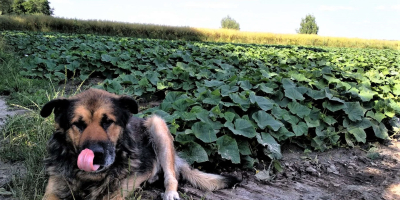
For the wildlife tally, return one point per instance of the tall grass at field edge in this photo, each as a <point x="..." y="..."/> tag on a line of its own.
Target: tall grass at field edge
<point x="54" y="24"/>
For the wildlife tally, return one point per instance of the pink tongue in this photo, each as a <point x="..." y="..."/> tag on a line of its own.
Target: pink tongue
<point x="85" y="161"/>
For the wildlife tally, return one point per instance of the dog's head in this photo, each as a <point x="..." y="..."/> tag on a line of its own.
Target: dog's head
<point x="93" y="121"/>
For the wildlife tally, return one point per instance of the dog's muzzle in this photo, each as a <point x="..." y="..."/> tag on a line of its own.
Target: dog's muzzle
<point x="96" y="156"/>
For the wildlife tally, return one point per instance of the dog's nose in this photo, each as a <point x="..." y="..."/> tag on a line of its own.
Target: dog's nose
<point x="99" y="152"/>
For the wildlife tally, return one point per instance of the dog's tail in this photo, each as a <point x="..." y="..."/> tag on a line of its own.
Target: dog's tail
<point x="202" y="180"/>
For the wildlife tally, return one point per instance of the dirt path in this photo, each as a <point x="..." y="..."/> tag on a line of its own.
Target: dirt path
<point x="341" y="173"/>
<point x="5" y="111"/>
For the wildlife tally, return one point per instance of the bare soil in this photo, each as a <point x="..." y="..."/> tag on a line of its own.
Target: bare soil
<point x="340" y="173"/>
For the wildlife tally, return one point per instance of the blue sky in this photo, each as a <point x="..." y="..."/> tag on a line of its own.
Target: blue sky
<point x="369" y="19"/>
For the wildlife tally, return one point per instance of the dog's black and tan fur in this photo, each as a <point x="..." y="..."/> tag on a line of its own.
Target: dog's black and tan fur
<point x="129" y="150"/>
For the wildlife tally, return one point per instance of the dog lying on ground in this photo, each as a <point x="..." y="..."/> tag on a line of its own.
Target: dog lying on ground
<point x="100" y="151"/>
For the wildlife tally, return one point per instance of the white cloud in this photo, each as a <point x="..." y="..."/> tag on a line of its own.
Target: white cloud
<point x="214" y="5"/>
<point x="158" y="17"/>
<point x="60" y="2"/>
<point x="395" y="7"/>
<point x="334" y="8"/>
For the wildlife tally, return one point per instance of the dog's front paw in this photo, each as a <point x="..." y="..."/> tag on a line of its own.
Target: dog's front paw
<point x="170" y="195"/>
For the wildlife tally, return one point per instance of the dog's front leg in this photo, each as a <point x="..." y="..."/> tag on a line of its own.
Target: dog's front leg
<point x="50" y="197"/>
<point x="50" y="189"/>
<point x="164" y="148"/>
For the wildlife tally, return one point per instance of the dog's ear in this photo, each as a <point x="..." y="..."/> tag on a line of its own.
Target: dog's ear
<point x="58" y="105"/>
<point x="128" y="103"/>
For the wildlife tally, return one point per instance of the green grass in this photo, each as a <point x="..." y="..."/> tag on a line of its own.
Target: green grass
<point x="24" y="140"/>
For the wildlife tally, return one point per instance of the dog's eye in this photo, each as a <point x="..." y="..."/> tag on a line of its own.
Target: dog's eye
<point x="80" y="125"/>
<point x="105" y="122"/>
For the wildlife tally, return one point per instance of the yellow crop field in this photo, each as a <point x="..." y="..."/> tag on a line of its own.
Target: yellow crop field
<point x="54" y="24"/>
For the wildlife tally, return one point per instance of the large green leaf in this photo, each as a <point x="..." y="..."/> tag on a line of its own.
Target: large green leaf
<point x="320" y="94"/>
<point x="185" y="138"/>
<point x="213" y="99"/>
<point x="266" y="89"/>
<point x="194" y="152"/>
<point x="380" y="130"/>
<point x="396" y="90"/>
<point x="329" y="120"/>
<point x="204" y="116"/>
<point x="243" y="102"/>
<point x="364" y="124"/>
<point x="298" y="109"/>
<point x="244" y="147"/>
<point x="311" y="122"/>
<point x="245" y="85"/>
<point x="292" y="119"/>
<point x="213" y="83"/>
<point x="264" y="119"/>
<point x="266" y="139"/>
<point x="377" y="116"/>
<point x="204" y="132"/>
<point x="242" y="127"/>
<point x="354" y="111"/>
<point x="331" y="79"/>
<point x="171" y="97"/>
<point x="229" y="116"/>
<point x="366" y="94"/>
<point x="287" y="83"/>
<point x="182" y="104"/>
<point x="228" y="148"/>
<point x="333" y="106"/>
<point x="226" y="90"/>
<point x="264" y="103"/>
<point x="279" y="113"/>
<point x="300" y="129"/>
<point x="282" y="134"/>
<point x="294" y="94"/>
<point x="359" y="134"/>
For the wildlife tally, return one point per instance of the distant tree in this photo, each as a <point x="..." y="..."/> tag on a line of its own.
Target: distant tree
<point x="308" y="25"/>
<point x="38" y="7"/>
<point x="19" y="7"/>
<point x="6" y="6"/>
<point x="229" y="23"/>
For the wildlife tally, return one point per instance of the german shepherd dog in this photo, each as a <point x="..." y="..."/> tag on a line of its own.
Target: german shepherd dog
<point x="100" y="151"/>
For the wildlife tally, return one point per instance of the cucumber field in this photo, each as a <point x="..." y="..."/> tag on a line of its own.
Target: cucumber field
<point x="240" y="106"/>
